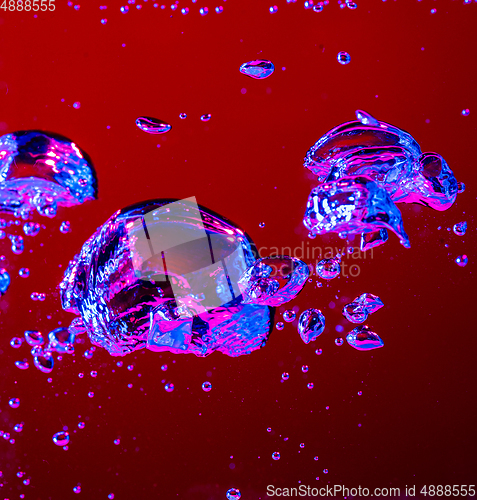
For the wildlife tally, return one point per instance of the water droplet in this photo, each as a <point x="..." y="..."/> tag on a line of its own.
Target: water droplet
<point x="206" y="386"/>
<point x="285" y="376"/>
<point x="14" y="402"/>
<point x="343" y="57"/>
<point x="311" y="325"/>
<point x="206" y="118"/>
<point x="329" y="269"/>
<point x="339" y="341"/>
<point x="460" y="228"/>
<point x="280" y="325"/>
<point x="65" y="227"/>
<point x="24" y="272"/>
<point x="465" y="112"/>
<point x="304" y="368"/>
<point x="152" y="125"/>
<point x="169" y="387"/>
<point x="462" y="260"/>
<point x="34" y="337"/>
<point x="61" y="438"/>
<point x="233" y="494"/>
<point x="4" y="281"/>
<point x="289" y="315"/>
<point x="276" y="455"/>
<point x="363" y="339"/>
<point x="258" y="69"/>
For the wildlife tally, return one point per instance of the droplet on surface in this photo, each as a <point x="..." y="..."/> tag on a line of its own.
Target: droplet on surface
<point x="363" y="338"/>
<point x="233" y="494"/>
<point x="152" y="125"/>
<point x="276" y="455"/>
<point x="41" y="171"/>
<point x="460" y="228"/>
<point x="14" y="402"/>
<point x="311" y="325"/>
<point x="343" y="57"/>
<point x="206" y="386"/>
<point x="258" y="69"/>
<point x="462" y="260"/>
<point x="61" y="438"/>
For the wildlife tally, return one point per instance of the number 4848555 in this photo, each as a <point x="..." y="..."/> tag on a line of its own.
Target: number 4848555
<point x="27" y="5"/>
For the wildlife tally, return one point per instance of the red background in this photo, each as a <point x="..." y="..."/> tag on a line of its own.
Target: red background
<point x="414" y="424"/>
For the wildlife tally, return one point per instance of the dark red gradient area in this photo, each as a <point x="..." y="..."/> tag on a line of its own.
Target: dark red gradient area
<point x="414" y="423"/>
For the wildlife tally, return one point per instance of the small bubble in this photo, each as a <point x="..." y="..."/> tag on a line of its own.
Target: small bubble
<point x="18" y="427"/>
<point x="204" y="11"/>
<point x="169" y="387"/>
<point x="94" y="373"/>
<point x="206" y="118"/>
<point x="262" y="224"/>
<point x="310" y="385"/>
<point x="206" y="386"/>
<point x="285" y="376"/>
<point x="325" y="471"/>
<point x="276" y="455"/>
<point x="14" y="402"/>
<point x="289" y="315"/>
<point x="273" y="9"/>
<point x="219" y="10"/>
<point x="16" y="342"/>
<point x="183" y="116"/>
<point x="65" y="227"/>
<point x="24" y="272"/>
<point x="124" y="9"/>
<point x="233" y="494"/>
<point x="343" y="57"/>
<point x="130" y="367"/>
<point x="465" y="112"/>
<point x="185" y="11"/>
<point x="315" y="458"/>
<point x="77" y="489"/>
<point x="104" y="21"/>
<point x="269" y="429"/>
<point x="433" y="11"/>
<point x="117" y="441"/>
<point x="90" y="394"/>
<point x="304" y="368"/>
<point x="460" y="228"/>
<point x="360" y="393"/>
<point x="111" y="496"/>
<point x="318" y="7"/>
<point x="339" y="341"/>
<point x="77" y="105"/>
<point x="318" y="352"/>
<point x="280" y="325"/>
<point x="81" y="425"/>
<point x="302" y="445"/>
<point x="462" y="260"/>
<point x="61" y="438"/>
